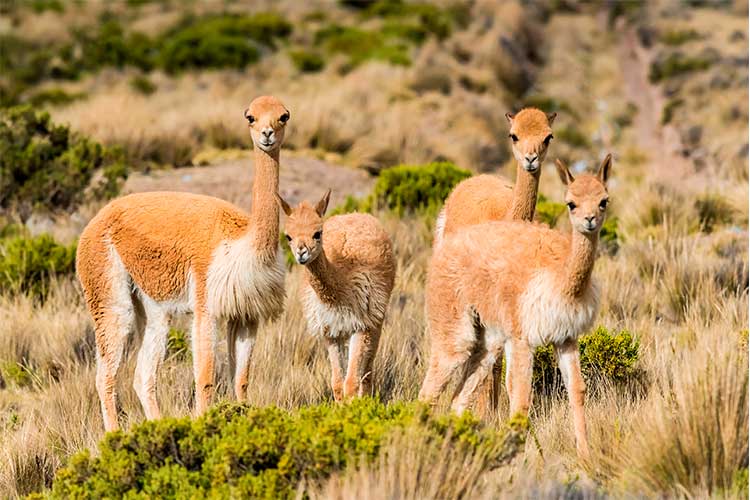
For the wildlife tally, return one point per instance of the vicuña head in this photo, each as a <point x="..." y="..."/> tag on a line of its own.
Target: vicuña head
<point x="304" y="228"/>
<point x="586" y="197"/>
<point x="267" y="118"/>
<point x="530" y="135"/>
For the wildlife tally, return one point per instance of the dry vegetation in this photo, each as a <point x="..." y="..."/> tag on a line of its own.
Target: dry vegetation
<point x="678" y="278"/>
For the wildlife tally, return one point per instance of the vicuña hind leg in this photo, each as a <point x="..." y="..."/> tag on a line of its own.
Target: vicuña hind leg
<point x="521" y="367"/>
<point x="204" y="339"/>
<point x="362" y="349"/>
<point x="568" y="359"/>
<point x="482" y="370"/>
<point x="452" y="344"/>
<point x="240" y="341"/>
<point x="114" y="318"/>
<point x="150" y="356"/>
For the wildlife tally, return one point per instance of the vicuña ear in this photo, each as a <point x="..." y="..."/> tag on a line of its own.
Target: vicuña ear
<point x="605" y="169"/>
<point x="283" y="204"/>
<point x="551" y="117"/>
<point x="322" y="205"/>
<point x="562" y="170"/>
<point x="509" y="116"/>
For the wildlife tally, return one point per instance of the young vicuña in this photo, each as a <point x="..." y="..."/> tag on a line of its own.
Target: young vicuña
<point x="486" y="198"/>
<point x="349" y="275"/>
<point x="147" y="256"/>
<point x="524" y="285"/>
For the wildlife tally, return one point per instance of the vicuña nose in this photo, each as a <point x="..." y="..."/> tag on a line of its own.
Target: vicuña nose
<point x="590" y="218"/>
<point x="531" y="158"/>
<point x="267" y="132"/>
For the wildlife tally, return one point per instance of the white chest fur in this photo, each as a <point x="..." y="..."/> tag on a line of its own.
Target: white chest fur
<point x="240" y="284"/>
<point x="549" y="318"/>
<point x="330" y="320"/>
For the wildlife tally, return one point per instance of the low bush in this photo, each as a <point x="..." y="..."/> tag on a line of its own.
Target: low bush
<point x="676" y="64"/>
<point x="573" y="137"/>
<point x="143" y="85"/>
<point x="609" y="236"/>
<point x="237" y="451"/>
<point x="408" y="189"/>
<point x="361" y="45"/>
<point x="678" y="37"/>
<point x="28" y="264"/>
<point x="604" y="355"/>
<point x="43" y="165"/>
<point x="178" y="345"/>
<point x="307" y="61"/>
<point x="54" y="96"/>
<point x="220" y="41"/>
<point x="667" y="113"/>
<point x="548" y="211"/>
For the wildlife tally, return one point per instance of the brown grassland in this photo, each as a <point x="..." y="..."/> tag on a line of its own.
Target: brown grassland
<point x="678" y="279"/>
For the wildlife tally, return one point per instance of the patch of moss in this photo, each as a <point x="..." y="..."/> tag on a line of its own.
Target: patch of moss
<point x="238" y="451"/>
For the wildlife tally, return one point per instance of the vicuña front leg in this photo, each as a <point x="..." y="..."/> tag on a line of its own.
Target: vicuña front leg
<point x="335" y="355"/>
<point x="568" y="358"/>
<point x="204" y="338"/>
<point x="483" y="370"/>
<point x="362" y="349"/>
<point x="521" y="371"/>
<point x="240" y="341"/>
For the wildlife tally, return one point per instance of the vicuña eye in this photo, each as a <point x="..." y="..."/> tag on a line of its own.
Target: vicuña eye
<point x="284" y="118"/>
<point x="317" y="235"/>
<point x="603" y="204"/>
<point x="288" y="238"/>
<point x="251" y="119"/>
<point x="514" y="137"/>
<point x="571" y="205"/>
<point x="547" y="139"/>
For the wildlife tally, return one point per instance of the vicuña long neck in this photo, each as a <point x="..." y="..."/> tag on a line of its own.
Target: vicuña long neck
<point x="524" y="194"/>
<point x="324" y="279"/>
<point x="580" y="264"/>
<point x="264" y="212"/>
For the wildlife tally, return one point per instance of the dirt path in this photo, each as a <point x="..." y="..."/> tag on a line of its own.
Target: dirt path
<point x="662" y="143"/>
<point x="300" y="178"/>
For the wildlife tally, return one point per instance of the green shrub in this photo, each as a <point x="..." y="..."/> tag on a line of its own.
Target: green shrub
<point x="427" y="18"/>
<point x="604" y="355"/>
<point x="43" y="165"/>
<point x="572" y="136"/>
<point x="307" y="61"/>
<point x="28" y="264"/>
<point x="362" y="45"/>
<point x="237" y="451"/>
<point x="676" y="64"/>
<point x="16" y="374"/>
<point x="547" y="211"/>
<point x="609" y="237"/>
<point x="411" y="188"/>
<point x="713" y="210"/>
<point x="678" y="37"/>
<point x="54" y="96"/>
<point x="111" y="46"/>
<point x="142" y="84"/>
<point x="667" y="113"/>
<point x="178" y="345"/>
<point x="221" y="41"/>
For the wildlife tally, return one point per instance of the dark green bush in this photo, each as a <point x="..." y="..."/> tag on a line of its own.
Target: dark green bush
<point x="676" y="64"/>
<point x="307" y="61"/>
<point x="43" y="165"/>
<point x="28" y="264"/>
<point x="572" y="136"/>
<point x="427" y="18"/>
<point x="143" y="85"/>
<point x="604" y="355"/>
<point x="678" y="37"/>
<point x="667" y="113"/>
<point x="609" y="237"/>
<point x="362" y="45"/>
<point x="235" y="451"/>
<point x="54" y="96"/>
<point x="410" y="188"/>
<point x="547" y="211"/>
<point x="111" y="46"/>
<point x="221" y="41"/>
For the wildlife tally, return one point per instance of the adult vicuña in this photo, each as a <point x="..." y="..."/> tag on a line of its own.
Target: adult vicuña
<point x="349" y="275"/>
<point x="487" y="198"/>
<point x="149" y="255"/>
<point x="526" y="285"/>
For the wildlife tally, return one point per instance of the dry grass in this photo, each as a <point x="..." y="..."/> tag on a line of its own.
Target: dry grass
<point x="681" y="289"/>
